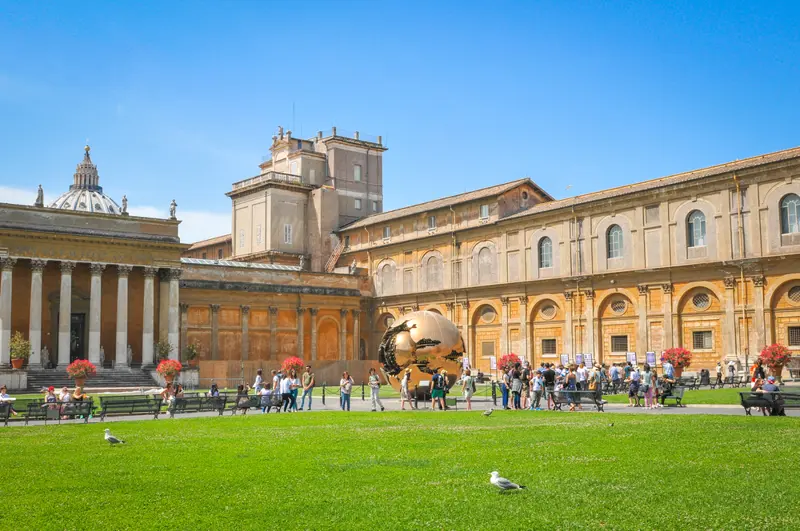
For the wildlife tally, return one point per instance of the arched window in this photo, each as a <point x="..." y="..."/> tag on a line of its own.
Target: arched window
<point x="790" y="214"/>
<point x="696" y="229"/>
<point x="433" y="273"/>
<point x="485" y="266"/>
<point x="387" y="279"/>
<point x="614" y="241"/>
<point x="545" y="253"/>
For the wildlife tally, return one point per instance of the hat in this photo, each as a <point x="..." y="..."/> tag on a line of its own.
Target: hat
<point x="51" y="388"/>
<point x="771" y="379"/>
<point x="408" y="369"/>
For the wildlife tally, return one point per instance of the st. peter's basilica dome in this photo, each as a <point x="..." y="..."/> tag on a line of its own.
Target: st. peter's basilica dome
<point x="86" y="194"/>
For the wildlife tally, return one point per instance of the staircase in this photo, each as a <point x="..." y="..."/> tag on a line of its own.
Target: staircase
<point x="106" y="378"/>
<point x="330" y="265"/>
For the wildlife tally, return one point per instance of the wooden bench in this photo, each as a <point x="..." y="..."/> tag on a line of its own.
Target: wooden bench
<point x="245" y="403"/>
<point x="129" y="406"/>
<point x="676" y="394"/>
<point x="41" y="410"/>
<point x="564" y="396"/>
<point x="197" y="404"/>
<point x="775" y="403"/>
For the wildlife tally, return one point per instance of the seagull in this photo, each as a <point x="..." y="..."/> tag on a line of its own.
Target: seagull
<point x="113" y="440"/>
<point x="488" y="412"/>
<point x="611" y="425"/>
<point x="503" y="484"/>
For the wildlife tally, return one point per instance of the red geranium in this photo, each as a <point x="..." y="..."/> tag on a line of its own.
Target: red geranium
<point x="169" y="367"/>
<point x="293" y="362"/>
<point x="508" y="361"/>
<point x="81" y="369"/>
<point x="679" y="357"/>
<point x="775" y="356"/>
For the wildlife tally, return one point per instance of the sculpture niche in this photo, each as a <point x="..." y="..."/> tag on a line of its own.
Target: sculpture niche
<point x="422" y="341"/>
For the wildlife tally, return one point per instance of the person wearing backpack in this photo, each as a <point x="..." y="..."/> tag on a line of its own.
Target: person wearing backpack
<point x="468" y="387"/>
<point x="437" y="394"/>
<point x="526" y="384"/>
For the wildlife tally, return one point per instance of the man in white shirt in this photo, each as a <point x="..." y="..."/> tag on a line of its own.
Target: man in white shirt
<point x="581" y="372"/>
<point x="732" y="370"/>
<point x="286" y="392"/>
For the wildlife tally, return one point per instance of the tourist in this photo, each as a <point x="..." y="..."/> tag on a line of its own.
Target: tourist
<point x="596" y="378"/>
<point x="669" y="370"/>
<point x="294" y="386"/>
<point x="628" y="370"/>
<point x="214" y="391"/>
<point x="166" y="393"/>
<point x="266" y="399"/>
<point x="404" y="394"/>
<point x="308" y="388"/>
<point x="4" y="397"/>
<point x="345" y="388"/>
<point x="259" y="381"/>
<point x="526" y="384"/>
<point x="374" y="382"/>
<point x="538" y="387"/>
<point x="571" y="385"/>
<point x="777" y="408"/>
<point x="437" y="393"/>
<point x="286" y="393"/>
<point x="549" y="377"/>
<point x="516" y="388"/>
<point x="582" y="374"/>
<point x="616" y="381"/>
<point x="64" y="396"/>
<point x="656" y="388"/>
<point x="732" y="371"/>
<point x="633" y="385"/>
<point x="505" y="385"/>
<point x="78" y="395"/>
<point x="665" y="389"/>
<point x="759" y="370"/>
<point x="719" y="374"/>
<point x="178" y="391"/>
<point x="468" y="388"/>
<point x="50" y="395"/>
<point x="647" y="386"/>
<point x="242" y="399"/>
<point x="276" y="380"/>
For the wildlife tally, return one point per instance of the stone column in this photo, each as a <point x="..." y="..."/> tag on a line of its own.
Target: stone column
<point x="245" y="332"/>
<point x="590" y="345"/>
<point x="450" y="311"/>
<point x="214" y="331"/>
<point x="273" y="333"/>
<point x="523" y="328"/>
<point x="569" y="329"/>
<point x="121" y="352"/>
<point x="504" y="346"/>
<point x="184" y="309"/>
<point x="642" y="342"/>
<point x="758" y="316"/>
<point x="343" y="334"/>
<point x="163" y="304"/>
<point x="729" y="332"/>
<point x="356" y="334"/>
<point x="313" y="312"/>
<point x="65" y="314"/>
<point x="667" y="307"/>
<point x="35" y="320"/>
<point x="465" y="333"/>
<point x="301" y="318"/>
<point x="173" y="321"/>
<point x="148" y="316"/>
<point x="95" y="312"/>
<point x="6" y="266"/>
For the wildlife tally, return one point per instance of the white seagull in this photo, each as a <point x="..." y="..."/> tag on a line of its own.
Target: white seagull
<point x="503" y="484"/>
<point x="488" y="412"/>
<point x="113" y="440"/>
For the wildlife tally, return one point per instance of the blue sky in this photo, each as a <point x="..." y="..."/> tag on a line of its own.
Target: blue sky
<point x="180" y="99"/>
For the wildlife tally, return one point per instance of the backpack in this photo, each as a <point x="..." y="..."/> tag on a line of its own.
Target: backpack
<point x="472" y="384"/>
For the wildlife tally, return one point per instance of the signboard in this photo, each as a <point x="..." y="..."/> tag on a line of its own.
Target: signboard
<point x="578" y="359"/>
<point x="565" y="359"/>
<point x="493" y="363"/>
<point x="587" y="358"/>
<point x="465" y="363"/>
<point x="631" y="357"/>
<point x="651" y="358"/>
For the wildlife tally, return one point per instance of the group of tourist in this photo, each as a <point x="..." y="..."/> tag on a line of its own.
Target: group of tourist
<point x="282" y="390"/>
<point x="51" y="399"/>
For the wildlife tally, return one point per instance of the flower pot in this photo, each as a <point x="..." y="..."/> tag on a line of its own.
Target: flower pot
<point x="678" y="372"/>
<point x="776" y="371"/>
<point x="193" y="362"/>
<point x="79" y="382"/>
<point x="169" y="378"/>
<point x="17" y="363"/>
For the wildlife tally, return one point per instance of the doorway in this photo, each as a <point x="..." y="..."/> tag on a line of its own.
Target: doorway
<point x="77" y="336"/>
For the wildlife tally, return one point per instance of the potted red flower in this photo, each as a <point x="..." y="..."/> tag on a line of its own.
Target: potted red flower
<point x="508" y="361"/>
<point x="79" y="370"/>
<point x="775" y="357"/>
<point x="679" y="357"/>
<point x="293" y="362"/>
<point x="169" y="369"/>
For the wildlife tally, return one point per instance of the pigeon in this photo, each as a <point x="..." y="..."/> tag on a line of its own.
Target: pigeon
<point x="488" y="412"/>
<point x="503" y="484"/>
<point x="113" y="440"/>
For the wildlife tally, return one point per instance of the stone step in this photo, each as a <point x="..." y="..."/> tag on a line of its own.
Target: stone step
<point x="105" y="379"/>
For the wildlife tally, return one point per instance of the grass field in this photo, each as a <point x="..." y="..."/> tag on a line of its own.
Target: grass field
<point x="332" y="470"/>
<point x="703" y="396"/>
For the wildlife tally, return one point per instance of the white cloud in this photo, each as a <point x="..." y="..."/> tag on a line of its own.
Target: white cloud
<point x="195" y="225"/>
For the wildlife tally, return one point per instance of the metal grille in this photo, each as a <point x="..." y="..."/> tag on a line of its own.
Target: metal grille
<point x="701" y="301"/>
<point x="548" y="346"/>
<point x="794" y="336"/>
<point x="702" y="340"/>
<point x="618" y="306"/>
<point x="548" y="311"/>
<point x="794" y="294"/>
<point x="619" y="343"/>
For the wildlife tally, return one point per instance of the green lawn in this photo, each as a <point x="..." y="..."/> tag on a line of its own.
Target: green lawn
<point x="332" y="470"/>
<point x="703" y="396"/>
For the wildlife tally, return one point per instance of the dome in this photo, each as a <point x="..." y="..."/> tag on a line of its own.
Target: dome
<point x="86" y="194"/>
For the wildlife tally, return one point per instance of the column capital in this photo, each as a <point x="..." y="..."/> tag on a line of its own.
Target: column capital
<point x="214" y="308"/>
<point x="355" y="312"/>
<point x="504" y="301"/>
<point x="415" y="307"/>
<point x="343" y="313"/>
<point x="450" y="305"/>
<point x="124" y="270"/>
<point x="588" y="293"/>
<point x="245" y="309"/>
<point x="730" y="282"/>
<point x="67" y="267"/>
<point x="300" y="310"/>
<point x="568" y="295"/>
<point x="642" y="289"/>
<point x="464" y="304"/>
<point x="184" y="307"/>
<point x="667" y="288"/>
<point x="7" y="263"/>
<point x="150" y="272"/>
<point x="171" y="274"/>
<point x="97" y="268"/>
<point x="758" y="281"/>
<point x="38" y="265"/>
<point x="523" y="300"/>
<point x="313" y="311"/>
<point x="273" y="310"/>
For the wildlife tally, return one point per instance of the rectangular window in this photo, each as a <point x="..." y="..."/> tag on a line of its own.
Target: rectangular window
<point x="548" y="346"/>
<point x="702" y="340"/>
<point x="357" y="173"/>
<point x="487" y="348"/>
<point x="431" y="222"/>
<point x="204" y="255"/>
<point x="358" y="204"/>
<point x="287" y="234"/>
<point x="258" y="233"/>
<point x="387" y="232"/>
<point x="794" y="336"/>
<point x="457" y="275"/>
<point x="312" y="175"/>
<point x="374" y="206"/>
<point x="219" y="254"/>
<point x="619" y="343"/>
<point x="293" y="169"/>
<point x="241" y="238"/>
<point x="651" y="215"/>
<point x="484" y="211"/>
<point x="408" y="281"/>
<point x="346" y="241"/>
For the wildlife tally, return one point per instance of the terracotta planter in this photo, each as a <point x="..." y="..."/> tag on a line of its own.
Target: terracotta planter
<point x="169" y="378"/>
<point x="678" y="372"/>
<point x="17" y="363"/>
<point x="776" y="371"/>
<point x="79" y="382"/>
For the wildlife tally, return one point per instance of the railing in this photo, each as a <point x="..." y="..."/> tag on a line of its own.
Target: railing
<point x="330" y="265"/>
<point x="269" y="176"/>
